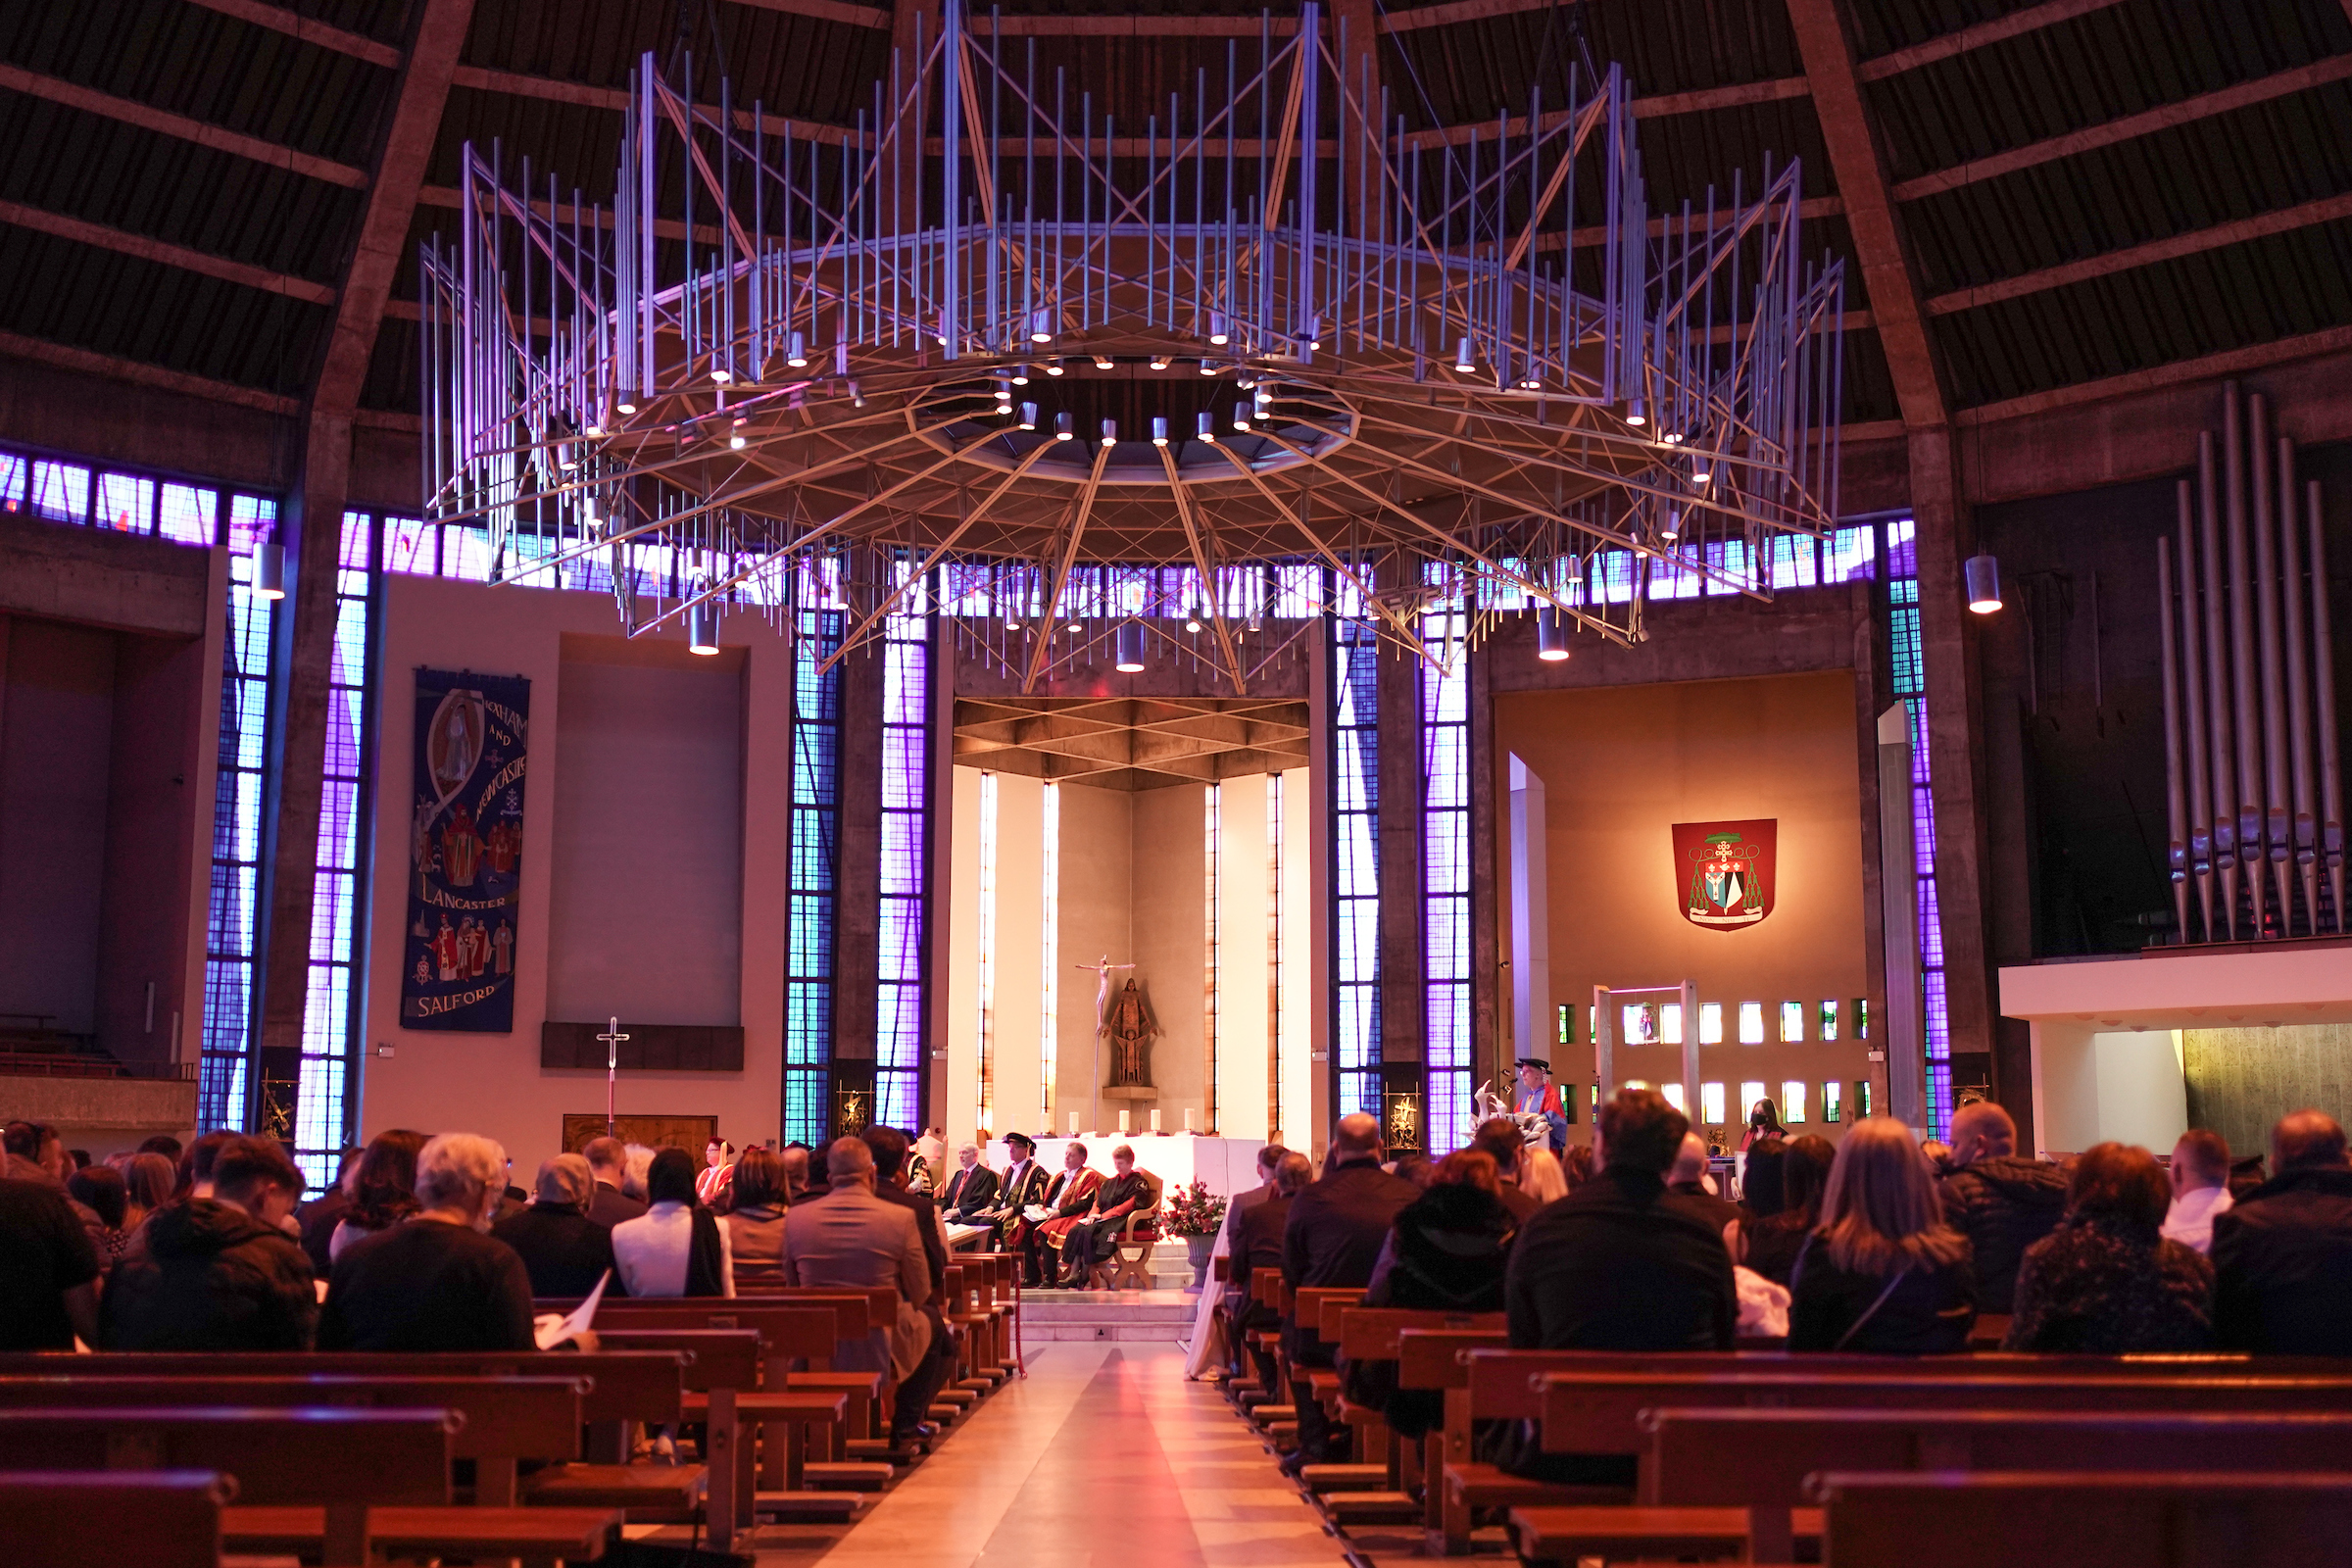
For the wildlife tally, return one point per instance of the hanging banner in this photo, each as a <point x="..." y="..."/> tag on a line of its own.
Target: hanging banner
<point x="464" y="851"/>
<point x="1724" y="872"/>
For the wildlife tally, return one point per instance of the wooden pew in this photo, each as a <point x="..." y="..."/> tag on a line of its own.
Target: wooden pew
<point x="2197" y="1519"/>
<point x="1759" y="1460"/>
<point x="79" y="1519"/>
<point x="334" y="1467"/>
<point x="1602" y="1413"/>
<point x="1436" y="1358"/>
<point x="1365" y="1333"/>
<point x="721" y="1365"/>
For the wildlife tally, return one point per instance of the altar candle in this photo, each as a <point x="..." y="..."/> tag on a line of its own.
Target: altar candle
<point x="1155" y="1118"/>
<point x="1188" y="1118"/>
<point x="1073" y="1124"/>
<point x="1122" y="1121"/>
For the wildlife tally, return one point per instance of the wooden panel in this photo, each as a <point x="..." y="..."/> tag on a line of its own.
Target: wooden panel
<point x="651" y="1047"/>
<point x="693" y="1134"/>
<point x="2242" y="1080"/>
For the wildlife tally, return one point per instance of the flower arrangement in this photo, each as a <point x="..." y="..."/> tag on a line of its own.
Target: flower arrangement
<point x="1194" y="1210"/>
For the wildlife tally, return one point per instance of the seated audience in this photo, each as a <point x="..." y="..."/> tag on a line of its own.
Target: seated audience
<point x="795" y="1158"/>
<point x="1094" y="1238"/>
<point x="48" y="1269"/>
<point x="850" y="1237"/>
<point x="1884" y="1273"/>
<point x="37" y="1152"/>
<point x="894" y="1182"/>
<point x="608" y="1163"/>
<point x="196" y="1164"/>
<point x="563" y="1249"/>
<point x="636" y="1161"/>
<point x="2200" y="1179"/>
<point x="1576" y="1166"/>
<point x="147" y="1181"/>
<point x="100" y="1188"/>
<point x="2283" y="1257"/>
<point x="1333" y="1236"/>
<point x="1447" y="1250"/>
<point x="316" y="1219"/>
<point x="966" y="1203"/>
<point x="219" y="1273"/>
<point x="384" y="1190"/>
<point x="1760" y="1178"/>
<point x="1499" y="1140"/>
<point x="163" y="1144"/>
<point x="1542" y="1176"/>
<point x="1414" y="1168"/>
<point x="2001" y="1202"/>
<point x="1071" y="1199"/>
<point x="1620" y="1264"/>
<point x="1258" y="1245"/>
<point x="676" y="1246"/>
<point x="2106" y="1281"/>
<point x="756" y="1224"/>
<point x="1686" y="1180"/>
<point x="436" y="1281"/>
<point x="1801" y="1173"/>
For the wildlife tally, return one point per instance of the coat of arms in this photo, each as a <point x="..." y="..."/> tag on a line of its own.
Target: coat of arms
<point x="1724" y="872"/>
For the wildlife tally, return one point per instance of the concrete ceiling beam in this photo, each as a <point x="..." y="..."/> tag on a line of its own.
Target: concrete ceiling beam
<point x="128" y="112"/>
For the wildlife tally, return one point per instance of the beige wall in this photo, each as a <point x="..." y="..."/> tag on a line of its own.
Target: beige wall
<point x="1097" y="921"/>
<point x="1620" y="766"/>
<point x="1172" y="944"/>
<point x="493" y="1084"/>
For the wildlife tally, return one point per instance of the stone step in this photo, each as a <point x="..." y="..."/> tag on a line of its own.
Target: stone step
<point x="1160" y="1316"/>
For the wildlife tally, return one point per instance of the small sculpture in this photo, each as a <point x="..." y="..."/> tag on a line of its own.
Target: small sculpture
<point x="1130" y="1028"/>
<point x="1486" y="1106"/>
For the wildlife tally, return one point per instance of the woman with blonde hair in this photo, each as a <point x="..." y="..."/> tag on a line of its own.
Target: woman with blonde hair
<point x="1882" y="1273"/>
<point x="1541" y="1177"/>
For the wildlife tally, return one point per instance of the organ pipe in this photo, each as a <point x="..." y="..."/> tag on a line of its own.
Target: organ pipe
<point x="2254" y="773"/>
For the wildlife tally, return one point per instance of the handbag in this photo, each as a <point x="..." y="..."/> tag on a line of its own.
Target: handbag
<point x="1796" y="1270"/>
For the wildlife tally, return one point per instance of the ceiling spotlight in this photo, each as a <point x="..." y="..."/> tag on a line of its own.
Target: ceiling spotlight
<point x="627" y="407"/>
<point x="1673" y="438"/>
<point x="796" y="356"/>
<point x="1702" y="475"/>
<point x="857" y="398"/>
<point x="1004" y="397"/>
<point x="1240" y="415"/>
<point x="1073" y="628"/>
<point x="1028" y="420"/>
<point x="1463" y="363"/>
<point x="1670" y="526"/>
<point x="1531" y="383"/>
<point x="269" y="570"/>
<point x="1216" y="329"/>
<point x="1111" y="432"/>
<point x="1634" y="414"/>
<point x="1102" y="362"/>
<point x="1159" y="429"/>
<point x="1127" y="648"/>
<point x="1160" y="362"/>
<point x="1192" y="620"/>
<point x="702" y="628"/>
<point x="1551" y="634"/>
<point x="735" y="441"/>
<point x="1061" y="427"/>
<point x="1053" y="367"/>
<point x="1983" y="574"/>
<point x="1041" y="326"/>
<point x="597" y="429"/>
<point x="565" y="460"/>
<point x="1021" y="376"/>
<point x="1206" y="424"/>
<point x="721" y="374"/>
<point x="1207" y="369"/>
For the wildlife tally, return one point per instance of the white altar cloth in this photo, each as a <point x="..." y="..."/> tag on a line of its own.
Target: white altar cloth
<point x="1228" y="1165"/>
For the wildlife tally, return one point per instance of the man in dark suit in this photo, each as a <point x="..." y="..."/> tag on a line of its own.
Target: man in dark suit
<point x="1333" y="1236"/>
<point x="1236" y="1284"/>
<point x="2283" y="1257"/>
<point x="1259" y="1246"/>
<point x="609" y="1206"/>
<point x="918" y="1388"/>
<point x="1688" y="1182"/>
<point x="967" y="1198"/>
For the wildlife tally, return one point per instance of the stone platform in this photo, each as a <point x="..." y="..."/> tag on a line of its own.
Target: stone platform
<point x="1160" y="1316"/>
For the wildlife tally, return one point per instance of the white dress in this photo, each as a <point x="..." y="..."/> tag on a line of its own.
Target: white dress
<point x="650" y="1251"/>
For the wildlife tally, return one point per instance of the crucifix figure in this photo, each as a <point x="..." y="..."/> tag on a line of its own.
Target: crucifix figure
<point x="611" y="1037"/>
<point x="1102" y="973"/>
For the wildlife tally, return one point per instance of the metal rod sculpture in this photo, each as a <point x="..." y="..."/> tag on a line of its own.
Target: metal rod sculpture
<point x="992" y="324"/>
<point x="2249" y="695"/>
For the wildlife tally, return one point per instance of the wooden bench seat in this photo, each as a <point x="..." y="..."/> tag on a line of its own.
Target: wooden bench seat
<point x="152" y="1518"/>
<point x="534" y="1535"/>
<point x="1566" y="1534"/>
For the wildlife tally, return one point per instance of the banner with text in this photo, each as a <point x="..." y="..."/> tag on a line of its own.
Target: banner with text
<point x="464" y="851"/>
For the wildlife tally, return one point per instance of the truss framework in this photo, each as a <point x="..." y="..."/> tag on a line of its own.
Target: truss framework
<point x="995" y="324"/>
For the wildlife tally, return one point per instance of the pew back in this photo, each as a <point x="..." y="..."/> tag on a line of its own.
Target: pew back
<point x="363" y="1459"/>
<point x="157" y="1519"/>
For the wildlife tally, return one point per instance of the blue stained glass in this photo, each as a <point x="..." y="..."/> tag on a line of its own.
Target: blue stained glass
<point x="411" y="546"/>
<point x="13" y="472"/>
<point x="61" y="492"/>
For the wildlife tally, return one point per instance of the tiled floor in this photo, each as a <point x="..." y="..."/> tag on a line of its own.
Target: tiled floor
<point x="1103" y="1454"/>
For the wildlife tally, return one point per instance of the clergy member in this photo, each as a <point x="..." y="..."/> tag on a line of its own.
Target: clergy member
<point x="1022" y="1185"/>
<point x="1539" y="1094"/>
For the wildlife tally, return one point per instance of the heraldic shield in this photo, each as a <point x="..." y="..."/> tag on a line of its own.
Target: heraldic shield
<point x="1724" y="872"/>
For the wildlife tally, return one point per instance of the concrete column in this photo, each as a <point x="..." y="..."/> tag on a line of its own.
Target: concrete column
<point x="1402" y="1028"/>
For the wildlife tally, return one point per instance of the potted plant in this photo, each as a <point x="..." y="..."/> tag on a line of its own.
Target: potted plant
<point x="1197" y="1215"/>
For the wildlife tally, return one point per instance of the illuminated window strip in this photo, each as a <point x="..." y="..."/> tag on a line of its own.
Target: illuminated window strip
<point x="900" y="1013"/>
<point x="812" y="869"/>
<point x="1213" y="854"/>
<point x="1048" y="1045"/>
<point x="1909" y="667"/>
<point x="1274" y="912"/>
<point x="226" y="1056"/>
<point x="1445" y="881"/>
<point x="1356" y="852"/>
<point x="986" y="1056"/>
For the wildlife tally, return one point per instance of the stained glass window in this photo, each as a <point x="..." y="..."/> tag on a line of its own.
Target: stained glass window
<point x="813" y="867"/>
<point x="1446" y="875"/>
<point x="899" y="1012"/>
<point x="1909" y="667"/>
<point x="1710" y="1105"/>
<point x="1356" y="853"/>
<point x="237" y="806"/>
<point x="1793" y="1022"/>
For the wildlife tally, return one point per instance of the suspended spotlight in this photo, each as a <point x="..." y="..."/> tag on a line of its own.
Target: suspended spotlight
<point x="1053" y="367"/>
<point x="1061" y="427"/>
<point x="796" y="354"/>
<point x="1192" y="620"/>
<point x="857" y="398"/>
<point x="1983" y="574"/>
<point x="1240" y="417"/>
<point x="565" y="460"/>
<point x="1315" y="335"/>
<point x="702" y="628"/>
<point x="1004" y="397"/>
<point x="1159" y="429"/>
<point x="1634" y="414"/>
<point x="1255" y="623"/>
<point x="1207" y="369"/>
<point x="1160" y="362"/>
<point x="1111" y="432"/>
<point x="1531" y="383"/>
<point x="1701" y="473"/>
<point x="1028" y="419"/>
<point x="721" y="374"/>
<point x="735" y="441"/>
<point x="1207" y="424"/>
<point x="1127" y="648"/>
<point x="1041" y="326"/>
<point x="1216" y="329"/>
<point x="1102" y="362"/>
<point x="1463" y="363"/>
<point x="269" y="570"/>
<point x="596" y="428"/>
<point x="1673" y="438"/>
<point x="1551" y="634"/>
<point x="1021" y="376"/>
<point x="841" y="359"/>
<point x="1073" y="628"/>
<point x="626" y="407"/>
<point x="1670" y="528"/>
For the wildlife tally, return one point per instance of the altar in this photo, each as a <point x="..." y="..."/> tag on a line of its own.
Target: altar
<point x="1229" y="1166"/>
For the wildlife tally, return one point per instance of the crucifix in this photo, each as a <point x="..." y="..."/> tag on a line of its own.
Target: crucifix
<point x="1102" y="973"/>
<point x="611" y="1037"/>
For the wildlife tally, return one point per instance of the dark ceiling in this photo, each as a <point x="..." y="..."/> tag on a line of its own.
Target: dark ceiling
<point x="2083" y="188"/>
